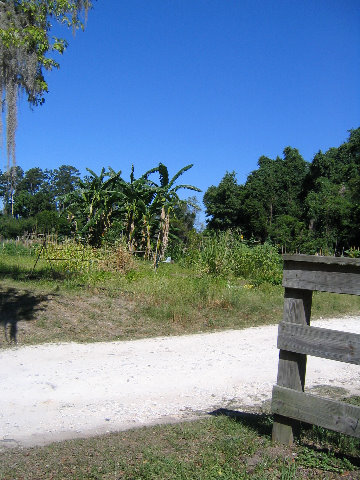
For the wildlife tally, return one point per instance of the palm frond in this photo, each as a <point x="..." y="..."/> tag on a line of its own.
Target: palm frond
<point x="164" y="174"/>
<point x="179" y="173"/>
<point x="188" y="187"/>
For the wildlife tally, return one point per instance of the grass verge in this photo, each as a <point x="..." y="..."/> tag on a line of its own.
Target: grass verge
<point x="52" y="306"/>
<point x="226" y="446"/>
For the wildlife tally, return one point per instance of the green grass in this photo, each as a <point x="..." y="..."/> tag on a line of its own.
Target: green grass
<point x="106" y="306"/>
<point x="53" y="305"/>
<point x="229" y="445"/>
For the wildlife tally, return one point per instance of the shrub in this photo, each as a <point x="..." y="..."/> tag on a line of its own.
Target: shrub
<point x="226" y="253"/>
<point x="72" y="256"/>
<point x="11" y="227"/>
<point x="13" y="248"/>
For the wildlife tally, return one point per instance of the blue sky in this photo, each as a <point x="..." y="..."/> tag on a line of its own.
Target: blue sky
<point x="217" y="83"/>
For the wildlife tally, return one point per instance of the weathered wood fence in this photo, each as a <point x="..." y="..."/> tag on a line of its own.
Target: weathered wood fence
<point x="296" y="339"/>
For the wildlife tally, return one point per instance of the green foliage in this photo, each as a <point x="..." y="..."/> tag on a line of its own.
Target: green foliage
<point x="51" y="222"/>
<point x="325" y="461"/>
<point x="353" y="252"/>
<point x="70" y="256"/>
<point x="25" y="27"/>
<point x="12" y="248"/>
<point x="223" y="203"/>
<point x="11" y="228"/>
<point x="105" y="206"/>
<point x="226" y="253"/>
<point x="102" y="208"/>
<point x="302" y="207"/>
<point x="25" y="52"/>
<point x="216" y="448"/>
<point x="92" y="204"/>
<point x="25" y="194"/>
<point x="42" y="222"/>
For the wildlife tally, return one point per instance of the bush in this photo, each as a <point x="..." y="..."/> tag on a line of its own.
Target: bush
<point x="74" y="257"/>
<point x="15" y="249"/>
<point x="11" y="227"/>
<point x="226" y="253"/>
<point x="50" y="221"/>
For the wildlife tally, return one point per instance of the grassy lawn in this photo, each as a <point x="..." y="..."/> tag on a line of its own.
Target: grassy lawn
<point x="55" y="306"/>
<point x="227" y="446"/>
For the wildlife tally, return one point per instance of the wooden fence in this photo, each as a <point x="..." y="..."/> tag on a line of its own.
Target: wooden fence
<point x="296" y="339"/>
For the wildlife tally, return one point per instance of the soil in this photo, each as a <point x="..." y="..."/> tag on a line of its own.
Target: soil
<point x="53" y="392"/>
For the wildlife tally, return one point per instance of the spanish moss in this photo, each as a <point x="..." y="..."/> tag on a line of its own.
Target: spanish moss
<point x="23" y="56"/>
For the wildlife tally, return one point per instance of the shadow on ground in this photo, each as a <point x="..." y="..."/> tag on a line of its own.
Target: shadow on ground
<point x="18" y="305"/>
<point x="261" y="422"/>
<point x="320" y="440"/>
<point x="16" y="272"/>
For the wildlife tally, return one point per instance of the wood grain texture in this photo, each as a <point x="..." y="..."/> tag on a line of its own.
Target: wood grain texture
<point x="324" y="277"/>
<point x="326" y="260"/>
<point x="296" y="339"/>
<point x="292" y="365"/>
<point x="319" y="342"/>
<point x="331" y="414"/>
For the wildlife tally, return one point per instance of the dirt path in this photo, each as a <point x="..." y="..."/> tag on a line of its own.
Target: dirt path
<point x="53" y="392"/>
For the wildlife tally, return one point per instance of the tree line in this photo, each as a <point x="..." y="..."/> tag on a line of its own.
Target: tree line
<point x="298" y="205"/>
<point x="144" y="212"/>
<point x="301" y="206"/>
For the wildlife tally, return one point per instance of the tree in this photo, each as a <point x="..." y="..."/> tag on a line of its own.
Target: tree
<point x="273" y="190"/>
<point x="328" y="208"/>
<point x="33" y="180"/>
<point x="9" y="182"/>
<point x="184" y="219"/>
<point x="32" y="193"/>
<point x="25" y="52"/>
<point x="223" y="203"/>
<point x="262" y="193"/>
<point x="165" y="201"/>
<point x="93" y="204"/>
<point x="138" y="195"/>
<point x="331" y="195"/>
<point x="63" y="181"/>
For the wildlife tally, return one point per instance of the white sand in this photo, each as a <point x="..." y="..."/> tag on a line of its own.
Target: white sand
<point x="57" y="391"/>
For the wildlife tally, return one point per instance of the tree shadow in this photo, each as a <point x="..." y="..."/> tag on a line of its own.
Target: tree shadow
<point x="16" y="272"/>
<point x="17" y="305"/>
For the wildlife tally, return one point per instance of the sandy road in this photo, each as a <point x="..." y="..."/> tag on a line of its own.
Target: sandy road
<point x="57" y="391"/>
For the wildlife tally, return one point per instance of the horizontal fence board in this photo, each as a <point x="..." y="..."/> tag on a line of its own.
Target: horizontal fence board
<point x="322" y="276"/>
<point x="319" y="342"/>
<point x="331" y="414"/>
<point x="319" y="259"/>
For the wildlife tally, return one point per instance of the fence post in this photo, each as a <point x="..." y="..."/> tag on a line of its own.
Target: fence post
<point x="292" y="366"/>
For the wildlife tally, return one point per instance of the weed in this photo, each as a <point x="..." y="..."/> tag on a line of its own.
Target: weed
<point x="289" y="471"/>
<point x="13" y="248"/>
<point x="323" y="460"/>
<point x="217" y="448"/>
<point x="226" y="253"/>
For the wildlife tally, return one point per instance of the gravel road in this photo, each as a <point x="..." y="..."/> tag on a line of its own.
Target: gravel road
<point x="59" y="391"/>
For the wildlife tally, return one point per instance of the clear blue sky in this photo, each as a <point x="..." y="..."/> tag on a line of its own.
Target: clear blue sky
<point x="217" y="83"/>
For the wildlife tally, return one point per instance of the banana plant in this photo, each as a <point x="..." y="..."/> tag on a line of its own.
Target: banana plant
<point x="93" y="203"/>
<point x="138" y="195"/>
<point x="164" y="202"/>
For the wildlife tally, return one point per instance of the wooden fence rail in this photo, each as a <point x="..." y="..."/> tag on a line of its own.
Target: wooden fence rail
<point x="296" y="339"/>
